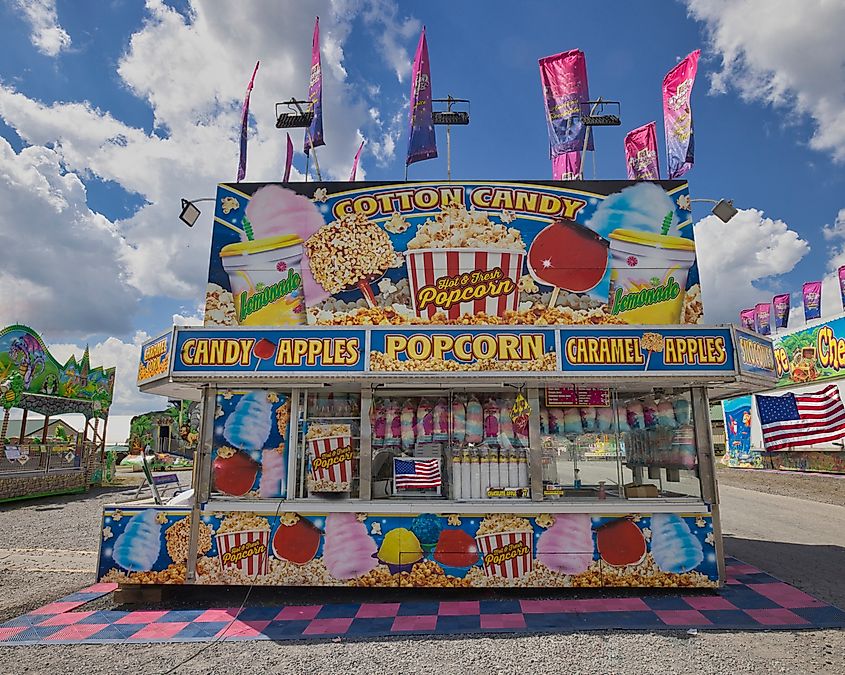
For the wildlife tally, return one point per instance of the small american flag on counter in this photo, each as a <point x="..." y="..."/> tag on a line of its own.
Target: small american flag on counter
<point x="795" y="420"/>
<point x="416" y="474"/>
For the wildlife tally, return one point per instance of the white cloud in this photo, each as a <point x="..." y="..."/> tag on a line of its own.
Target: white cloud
<point x="47" y="35"/>
<point x="785" y="53"/>
<point x="64" y="266"/>
<point x="837" y="229"/>
<point x="739" y="260"/>
<point x="393" y="32"/>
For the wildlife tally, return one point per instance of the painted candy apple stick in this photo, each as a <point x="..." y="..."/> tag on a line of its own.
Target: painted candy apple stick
<point x="263" y="349"/>
<point x="367" y="291"/>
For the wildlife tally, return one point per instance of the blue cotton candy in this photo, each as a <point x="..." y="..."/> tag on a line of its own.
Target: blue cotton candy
<point x="673" y="545"/>
<point x="138" y="547"/>
<point x="248" y="426"/>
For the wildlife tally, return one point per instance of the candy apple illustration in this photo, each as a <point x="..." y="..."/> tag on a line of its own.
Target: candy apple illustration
<point x="234" y="472"/>
<point x="620" y="542"/>
<point x="263" y="349"/>
<point x="297" y="543"/>
<point x="566" y="255"/>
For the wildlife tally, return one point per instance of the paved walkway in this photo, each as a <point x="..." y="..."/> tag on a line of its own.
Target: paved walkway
<point x="751" y="600"/>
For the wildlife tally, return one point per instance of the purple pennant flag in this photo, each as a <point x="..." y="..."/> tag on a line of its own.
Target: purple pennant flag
<point x="781" y="306"/>
<point x="355" y="163"/>
<point x="746" y="318"/>
<point x="564" y="80"/>
<point x="288" y="159"/>
<point x="422" y="143"/>
<point x="641" y="153"/>
<point x="842" y="284"/>
<point x="763" y="318"/>
<point x="245" y="126"/>
<point x="812" y="293"/>
<point x="314" y="135"/>
<point x="566" y="166"/>
<point x="677" y="115"/>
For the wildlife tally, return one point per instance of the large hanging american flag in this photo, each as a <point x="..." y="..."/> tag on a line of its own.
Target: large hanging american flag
<point x="416" y="474"/>
<point x="791" y="420"/>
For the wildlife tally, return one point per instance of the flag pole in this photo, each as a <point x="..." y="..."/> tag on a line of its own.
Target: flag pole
<point x="313" y="149"/>
<point x="587" y="139"/>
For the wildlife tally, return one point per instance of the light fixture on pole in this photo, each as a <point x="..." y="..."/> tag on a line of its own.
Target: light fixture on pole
<point x="724" y="209"/>
<point x="449" y="117"/>
<point x="297" y="118"/>
<point x="602" y="114"/>
<point x="190" y="212"/>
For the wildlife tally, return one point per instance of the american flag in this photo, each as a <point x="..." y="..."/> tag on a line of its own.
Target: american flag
<point x="416" y="474"/>
<point x="805" y="419"/>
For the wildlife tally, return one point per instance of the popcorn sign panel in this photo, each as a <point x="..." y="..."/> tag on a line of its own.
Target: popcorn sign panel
<point x="453" y="349"/>
<point x="474" y="253"/>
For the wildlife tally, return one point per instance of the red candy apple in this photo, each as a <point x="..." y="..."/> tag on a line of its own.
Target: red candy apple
<point x="264" y="349"/>
<point x="297" y="543"/>
<point x="569" y="256"/>
<point x="234" y="474"/>
<point x="620" y="543"/>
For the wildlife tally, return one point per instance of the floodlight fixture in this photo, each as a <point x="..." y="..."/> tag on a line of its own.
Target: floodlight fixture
<point x="190" y="212"/>
<point x="449" y="118"/>
<point x="723" y="209"/>
<point x="294" y="117"/>
<point x="602" y="114"/>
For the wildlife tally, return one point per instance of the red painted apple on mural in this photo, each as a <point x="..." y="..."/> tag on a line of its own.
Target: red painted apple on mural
<point x="297" y="542"/>
<point x="234" y="472"/>
<point x="568" y="256"/>
<point x="621" y="543"/>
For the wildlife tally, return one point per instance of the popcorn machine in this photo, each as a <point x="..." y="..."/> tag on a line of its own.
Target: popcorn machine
<point x="451" y="385"/>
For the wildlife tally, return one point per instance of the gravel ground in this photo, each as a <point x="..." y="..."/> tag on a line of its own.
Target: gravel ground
<point x="816" y="487"/>
<point x="36" y="525"/>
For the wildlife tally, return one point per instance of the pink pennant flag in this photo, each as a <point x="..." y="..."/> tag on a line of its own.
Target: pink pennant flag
<point x="677" y="115"/>
<point x="314" y="135"/>
<point x="245" y="126"/>
<point x="288" y="159"/>
<point x="355" y="162"/>
<point x="422" y="141"/>
<point x="641" y="153"/>
<point x="566" y="166"/>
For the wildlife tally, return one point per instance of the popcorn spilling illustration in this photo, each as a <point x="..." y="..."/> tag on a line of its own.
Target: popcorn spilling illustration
<point x="567" y="546"/>
<point x="666" y="414"/>
<point x="408" y="418"/>
<point x="249" y="424"/>
<point x="272" y="483"/>
<point x="139" y="545"/>
<point x="348" y="550"/>
<point x="459" y="421"/>
<point x="350" y="252"/>
<point x="474" y="421"/>
<point x="491" y="419"/>
<point x="673" y="545"/>
<point x="441" y="420"/>
<point x="478" y="262"/>
<point x="399" y="550"/>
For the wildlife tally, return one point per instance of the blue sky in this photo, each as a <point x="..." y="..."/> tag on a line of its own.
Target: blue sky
<point x="112" y="111"/>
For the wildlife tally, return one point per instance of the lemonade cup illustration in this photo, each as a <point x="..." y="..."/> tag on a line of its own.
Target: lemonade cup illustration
<point x="648" y="276"/>
<point x="458" y="281"/>
<point x="266" y="280"/>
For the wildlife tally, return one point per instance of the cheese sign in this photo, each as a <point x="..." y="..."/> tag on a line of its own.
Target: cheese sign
<point x="647" y="350"/>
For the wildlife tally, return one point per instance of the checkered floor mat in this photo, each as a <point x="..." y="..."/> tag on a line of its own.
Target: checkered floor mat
<point x="750" y="600"/>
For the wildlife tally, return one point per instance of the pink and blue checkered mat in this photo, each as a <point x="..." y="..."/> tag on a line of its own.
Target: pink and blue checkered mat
<point x="750" y="600"/>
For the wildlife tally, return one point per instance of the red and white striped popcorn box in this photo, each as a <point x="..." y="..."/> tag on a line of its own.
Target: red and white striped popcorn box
<point x="508" y="555"/>
<point x="458" y="281"/>
<point x="331" y="463"/>
<point x="245" y="551"/>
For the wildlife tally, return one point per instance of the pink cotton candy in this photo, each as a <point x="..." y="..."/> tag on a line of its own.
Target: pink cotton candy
<point x="441" y="420"/>
<point x="459" y="421"/>
<point x="408" y="419"/>
<point x="475" y="421"/>
<point x="425" y="421"/>
<point x="274" y="211"/>
<point x="491" y="420"/>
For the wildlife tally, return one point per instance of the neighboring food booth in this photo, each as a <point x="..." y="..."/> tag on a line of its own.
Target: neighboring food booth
<point x="33" y="381"/>
<point x="452" y="385"/>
